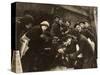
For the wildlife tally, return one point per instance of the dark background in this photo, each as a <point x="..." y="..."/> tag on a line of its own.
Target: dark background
<point x="48" y="11"/>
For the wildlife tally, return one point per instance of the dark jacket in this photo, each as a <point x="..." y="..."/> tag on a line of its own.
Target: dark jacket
<point x="85" y="47"/>
<point x="55" y="29"/>
<point x="36" y="58"/>
<point x="30" y="58"/>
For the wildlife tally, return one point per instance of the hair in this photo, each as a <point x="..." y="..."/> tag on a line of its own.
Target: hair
<point x="82" y="22"/>
<point x="76" y="25"/>
<point x="57" y="17"/>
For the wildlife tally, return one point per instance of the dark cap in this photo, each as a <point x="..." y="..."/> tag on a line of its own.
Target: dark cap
<point x="28" y="19"/>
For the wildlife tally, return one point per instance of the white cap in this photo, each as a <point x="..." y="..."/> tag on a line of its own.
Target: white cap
<point x="45" y="23"/>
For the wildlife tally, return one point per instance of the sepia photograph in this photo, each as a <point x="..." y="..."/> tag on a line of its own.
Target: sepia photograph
<point x="53" y="37"/>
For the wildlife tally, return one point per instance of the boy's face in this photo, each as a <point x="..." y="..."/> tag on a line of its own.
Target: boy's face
<point x="28" y="26"/>
<point x="60" y="22"/>
<point x="57" y="19"/>
<point x="44" y="28"/>
<point x="86" y="24"/>
<point x="82" y="25"/>
<point x="78" y="28"/>
<point x="67" y="23"/>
